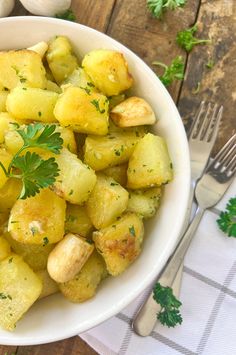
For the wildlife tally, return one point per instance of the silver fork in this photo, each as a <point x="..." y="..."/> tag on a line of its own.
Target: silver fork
<point x="201" y="140"/>
<point x="209" y="190"/>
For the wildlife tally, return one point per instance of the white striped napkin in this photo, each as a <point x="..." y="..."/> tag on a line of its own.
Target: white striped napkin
<point x="208" y="295"/>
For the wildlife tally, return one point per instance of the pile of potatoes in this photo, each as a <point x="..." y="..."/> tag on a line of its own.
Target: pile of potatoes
<point x="89" y="224"/>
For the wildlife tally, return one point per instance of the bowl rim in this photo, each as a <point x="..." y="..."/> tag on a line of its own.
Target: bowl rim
<point x="184" y="199"/>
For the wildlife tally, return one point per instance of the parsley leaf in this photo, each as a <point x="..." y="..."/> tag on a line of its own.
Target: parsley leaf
<point x="157" y="7"/>
<point x="41" y="136"/>
<point x="96" y="104"/>
<point x="36" y="173"/>
<point x="174" y="71"/>
<point x="186" y="39"/>
<point x="67" y="15"/>
<point x="227" y="220"/>
<point x="132" y="231"/>
<point x="169" y="314"/>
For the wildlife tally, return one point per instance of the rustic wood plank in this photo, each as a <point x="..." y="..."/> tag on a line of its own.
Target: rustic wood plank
<point x="8" y="350"/>
<point x="216" y="21"/>
<point x="71" y="346"/>
<point x="151" y="39"/>
<point x="93" y="13"/>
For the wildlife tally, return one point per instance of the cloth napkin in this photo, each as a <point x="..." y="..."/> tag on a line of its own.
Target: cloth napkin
<point x="208" y="297"/>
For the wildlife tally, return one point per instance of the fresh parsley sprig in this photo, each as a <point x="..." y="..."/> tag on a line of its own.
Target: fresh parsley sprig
<point x="67" y="15"/>
<point x="169" y="314"/>
<point x="187" y="41"/>
<point x="35" y="172"/>
<point x="227" y="220"/>
<point x="157" y="7"/>
<point x="174" y="71"/>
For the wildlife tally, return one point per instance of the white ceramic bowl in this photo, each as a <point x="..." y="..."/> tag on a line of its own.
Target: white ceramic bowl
<point x="55" y="318"/>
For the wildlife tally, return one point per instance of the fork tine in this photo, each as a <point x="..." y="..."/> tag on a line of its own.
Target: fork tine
<point x="197" y="120"/>
<point x="228" y="157"/>
<point x="224" y="150"/>
<point x="204" y="123"/>
<point x="213" y="128"/>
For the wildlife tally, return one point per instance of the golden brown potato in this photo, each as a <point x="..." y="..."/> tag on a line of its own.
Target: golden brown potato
<point x="85" y="284"/>
<point x="108" y="70"/>
<point x="76" y="180"/>
<point x="60" y="59"/>
<point x="7" y="122"/>
<point x="32" y="104"/>
<point x="144" y="203"/>
<point x="5" y="159"/>
<point x="107" y="201"/>
<point x="40" y="48"/>
<point x="29" y="223"/>
<point x="118" y="173"/>
<point x="49" y="285"/>
<point x="20" y="287"/>
<point x="68" y="138"/>
<point x="134" y="111"/>
<point x="77" y="220"/>
<point x="21" y="68"/>
<point x="68" y="257"/>
<point x="150" y="164"/>
<point x="83" y="112"/>
<point x="5" y="248"/>
<point x="51" y="86"/>
<point x="120" y="243"/>
<point x="9" y="194"/>
<point x="113" y="149"/>
<point x="35" y="255"/>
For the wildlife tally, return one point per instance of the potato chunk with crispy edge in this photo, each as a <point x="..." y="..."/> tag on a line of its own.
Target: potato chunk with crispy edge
<point x="29" y="223"/>
<point x="108" y="70"/>
<point x="85" y="283"/>
<point x="77" y="220"/>
<point x="19" y="289"/>
<point x="150" y="164"/>
<point x="120" y="243"/>
<point x="144" y="202"/>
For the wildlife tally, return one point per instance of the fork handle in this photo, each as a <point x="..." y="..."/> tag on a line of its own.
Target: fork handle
<point x="145" y="319"/>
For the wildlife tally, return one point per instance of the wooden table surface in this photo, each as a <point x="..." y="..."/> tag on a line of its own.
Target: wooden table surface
<point x="129" y="22"/>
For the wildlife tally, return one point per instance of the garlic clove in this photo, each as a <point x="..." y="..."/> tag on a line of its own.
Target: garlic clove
<point x="46" y="7"/>
<point x="6" y="7"/>
<point x="40" y="48"/>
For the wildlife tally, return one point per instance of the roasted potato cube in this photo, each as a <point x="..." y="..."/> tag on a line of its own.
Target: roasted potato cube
<point x="40" y="48"/>
<point x="5" y="248"/>
<point x="9" y="194"/>
<point x="107" y="201"/>
<point x="60" y="59"/>
<point x="68" y="138"/>
<point x="49" y="285"/>
<point x="77" y="220"/>
<point x="113" y="149"/>
<point x="22" y="67"/>
<point x="85" y="284"/>
<point x="29" y="223"/>
<point x="76" y="180"/>
<point x="3" y="99"/>
<point x="80" y="79"/>
<point x="83" y="112"/>
<point x="68" y="257"/>
<point x="134" y="111"/>
<point x="20" y="287"/>
<point x="118" y="173"/>
<point x="108" y="70"/>
<point x="144" y="203"/>
<point x="150" y="164"/>
<point x="32" y="104"/>
<point x="120" y="243"/>
<point x="7" y="122"/>
<point x="35" y="255"/>
<point x="5" y="159"/>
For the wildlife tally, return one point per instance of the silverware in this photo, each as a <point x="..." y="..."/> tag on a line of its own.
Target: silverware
<point x="203" y="132"/>
<point x="209" y="191"/>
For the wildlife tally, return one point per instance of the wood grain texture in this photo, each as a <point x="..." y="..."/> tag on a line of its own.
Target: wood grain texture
<point x="93" y="13"/>
<point x="216" y="21"/>
<point x="151" y="39"/>
<point x="8" y="350"/>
